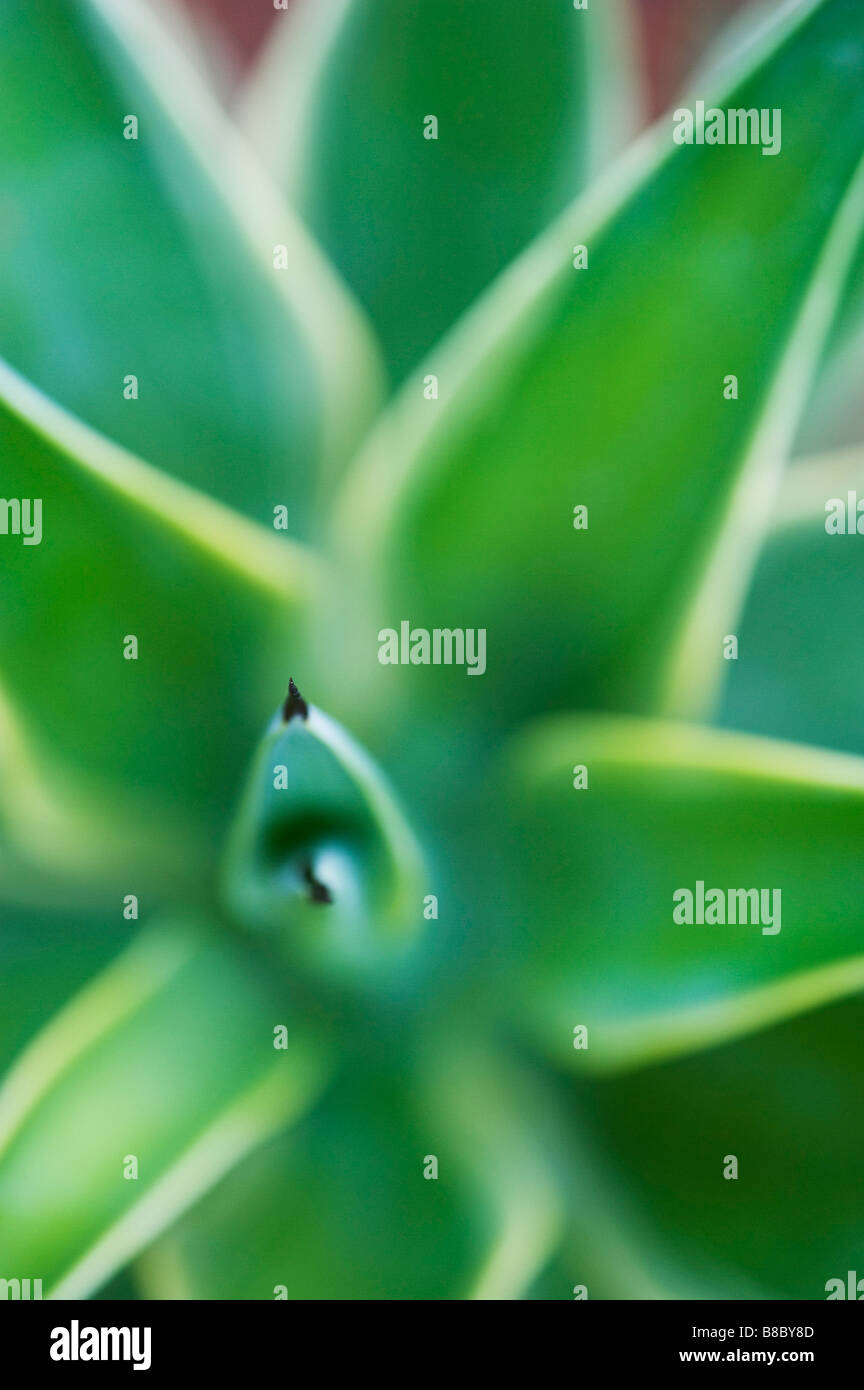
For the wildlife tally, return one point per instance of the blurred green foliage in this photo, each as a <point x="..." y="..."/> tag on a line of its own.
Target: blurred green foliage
<point x="293" y="962"/>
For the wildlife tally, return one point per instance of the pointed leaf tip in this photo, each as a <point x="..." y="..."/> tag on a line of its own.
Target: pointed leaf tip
<point x="318" y="892"/>
<point x="294" y="704"/>
<point x="318" y="827"/>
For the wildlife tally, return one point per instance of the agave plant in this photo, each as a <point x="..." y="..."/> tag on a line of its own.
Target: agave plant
<point x="370" y="986"/>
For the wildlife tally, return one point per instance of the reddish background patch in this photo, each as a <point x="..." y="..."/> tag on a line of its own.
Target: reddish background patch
<point x="674" y="33"/>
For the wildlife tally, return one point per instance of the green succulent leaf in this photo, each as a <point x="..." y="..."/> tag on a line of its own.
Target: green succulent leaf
<point x="787" y="1105"/>
<point x="596" y="939"/>
<point x="348" y="1206"/>
<point x="54" y="831"/>
<point x="153" y="257"/>
<point x="47" y="955"/>
<point x="800" y="667"/>
<point x="604" y="388"/>
<point x="321" y="854"/>
<point x="834" y="417"/>
<point x="143" y="753"/>
<point x="530" y="100"/>
<point x="119" y="1074"/>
